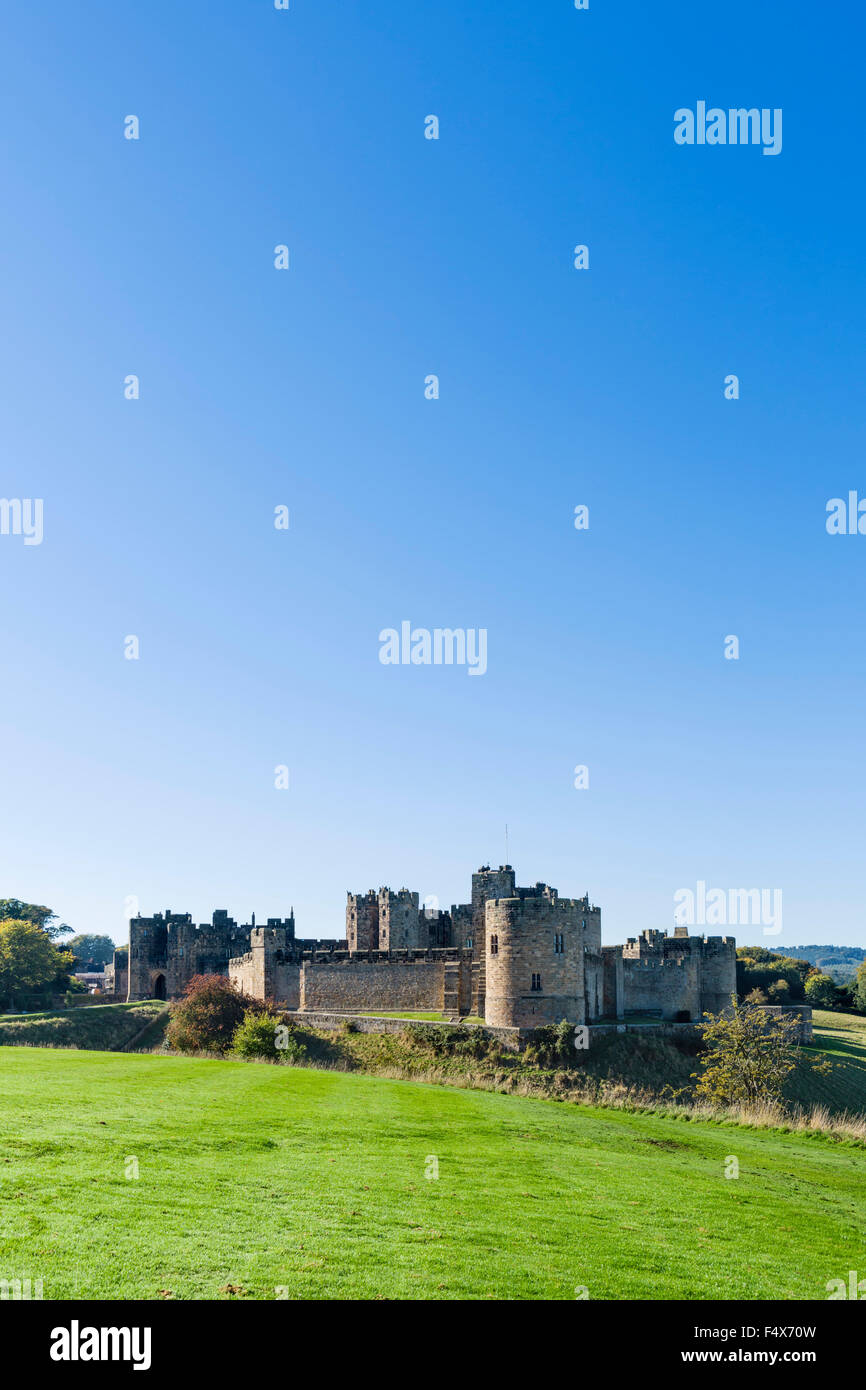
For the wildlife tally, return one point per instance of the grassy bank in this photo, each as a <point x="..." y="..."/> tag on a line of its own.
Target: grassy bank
<point x="842" y="1038"/>
<point x="106" y="1026"/>
<point x="645" y="1068"/>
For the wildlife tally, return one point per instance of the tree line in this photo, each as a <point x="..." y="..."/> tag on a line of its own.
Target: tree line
<point x="34" y="965"/>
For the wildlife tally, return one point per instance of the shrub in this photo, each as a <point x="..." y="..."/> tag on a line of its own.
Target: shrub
<point x="429" y="1037"/>
<point x="552" y="1045"/>
<point x="206" y="1018"/>
<point x="473" y="1043"/>
<point x="265" y="1035"/>
<point x="457" y="1041"/>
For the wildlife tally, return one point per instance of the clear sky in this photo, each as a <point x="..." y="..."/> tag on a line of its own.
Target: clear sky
<point x="154" y="778"/>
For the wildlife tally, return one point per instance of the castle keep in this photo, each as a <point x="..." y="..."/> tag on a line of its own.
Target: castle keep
<point x="516" y="957"/>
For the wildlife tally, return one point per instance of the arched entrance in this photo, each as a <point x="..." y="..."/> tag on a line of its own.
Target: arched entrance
<point x="159" y="987"/>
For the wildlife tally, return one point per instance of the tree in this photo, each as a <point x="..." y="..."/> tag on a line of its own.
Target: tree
<point x="28" y="958"/>
<point x="13" y="909"/>
<point x="206" y="1018"/>
<point x="860" y="988"/>
<point x="759" y="968"/>
<point x="821" y="991"/>
<point x="756" y="996"/>
<point x="91" y="952"/>
<point x="749" y="1056"/>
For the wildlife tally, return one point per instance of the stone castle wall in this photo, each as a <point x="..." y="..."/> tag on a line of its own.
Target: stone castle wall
<point x="417" y="985"/>
<point x="680" y="977"/>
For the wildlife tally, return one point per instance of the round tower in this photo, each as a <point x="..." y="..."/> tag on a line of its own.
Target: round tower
<point x="534" y="955"/>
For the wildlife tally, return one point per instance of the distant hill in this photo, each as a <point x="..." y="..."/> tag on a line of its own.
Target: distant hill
<point x="839" y="961"/>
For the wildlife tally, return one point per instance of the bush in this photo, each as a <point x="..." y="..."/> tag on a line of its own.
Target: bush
<point x="756" y="996"/>
<point x="552" y="1045"/>
<point x="458" y="1041"/>
<point x="265" y="1035"/>
<point x="430" y="1037"/>
<point x="205" y="1020"/>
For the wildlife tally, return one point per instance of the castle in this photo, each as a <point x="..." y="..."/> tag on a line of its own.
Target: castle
<point x="514" y="957"/>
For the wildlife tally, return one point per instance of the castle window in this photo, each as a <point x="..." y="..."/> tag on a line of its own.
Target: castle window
<point x="469" y="942"/>
<point x="559" y="944"/>
<point x="494" y="945"/>
<point x="536" y="982"/>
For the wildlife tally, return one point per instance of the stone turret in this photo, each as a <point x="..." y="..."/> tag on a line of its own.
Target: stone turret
<point x="399" y="920"/>
<point x="362" y="921"/>
<point x="535" y="961"/>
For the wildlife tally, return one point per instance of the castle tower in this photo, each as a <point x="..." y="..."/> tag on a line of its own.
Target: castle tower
<point x="399" y="920"/>
<point x="488" y="883"/>
<point x="435" y="928"/>
<point x="261" y="978"/>
<point x="534" y="962"/>
<point x="718" y="973"/>
<point x="362" y="921"/>
<point x="153" y="955"/>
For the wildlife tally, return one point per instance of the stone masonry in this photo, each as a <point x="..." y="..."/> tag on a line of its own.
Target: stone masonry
<point x="516" y="957"/>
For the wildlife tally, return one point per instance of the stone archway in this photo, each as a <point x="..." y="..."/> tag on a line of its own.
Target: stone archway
<point x="159" y="987"/>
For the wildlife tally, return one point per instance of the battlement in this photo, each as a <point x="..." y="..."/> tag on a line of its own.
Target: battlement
<point x="269" y="936"/>
<point x="531" y="905"/>
<point x="655" y="943"/>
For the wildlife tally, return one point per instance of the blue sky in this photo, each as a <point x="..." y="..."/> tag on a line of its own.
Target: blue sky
<point x="154" y="778"/>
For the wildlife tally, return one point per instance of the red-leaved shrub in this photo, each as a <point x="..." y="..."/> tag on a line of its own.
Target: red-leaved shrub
<point x="206" y="1018"/>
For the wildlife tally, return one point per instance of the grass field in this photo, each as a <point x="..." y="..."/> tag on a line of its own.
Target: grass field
<point x="425" y="1018"/>
<point x="843" y="1038"/>
<point x="254" y="1178"/>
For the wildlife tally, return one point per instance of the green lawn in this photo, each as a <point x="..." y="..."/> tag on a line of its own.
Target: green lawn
<point x="403" y="1013"/>
<point x="428" y="1018"/>
<point x="264" y="1177"/>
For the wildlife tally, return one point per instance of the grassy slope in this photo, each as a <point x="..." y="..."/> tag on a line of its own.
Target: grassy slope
<point x="258" y="1176"/>
<point x="843" y="1038"/>
<point x="100" y="1026"/>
